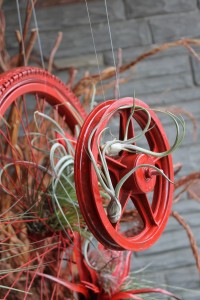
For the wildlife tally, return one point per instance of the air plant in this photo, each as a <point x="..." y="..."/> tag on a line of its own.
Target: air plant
<point x="55" y="226"/>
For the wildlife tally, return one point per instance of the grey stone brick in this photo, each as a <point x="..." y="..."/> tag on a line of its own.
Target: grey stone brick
<point x="86" y="61"/>
<point x="175" y="240"/>
<point x="56" y="17"/>
<point x="12" y="22"/>
<point x="11" y="4"/>
<point x="168" y="261"/>
<point x="191" y="106"/>
<point x="180" y="275"/>
<point x="173" y="283"/>
<point x="188" y="155"/>
<point x="144" y="87"/>
<point x="62" y="16"/>
<point x="143" y="8"/>
<point x="174" y="97"/>
<point x="192" y="219"/>
<point x="78" y="40"/>
<point x="189" y="209"/>
<point x="156" y="84"/>
<point x="176" y="26"/>
<point x="188" y="140"/>
<point x="192" y="294"/>
<point x="162" y="66"/>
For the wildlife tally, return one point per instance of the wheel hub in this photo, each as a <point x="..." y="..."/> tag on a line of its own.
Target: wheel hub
<point x="142" y="180"/>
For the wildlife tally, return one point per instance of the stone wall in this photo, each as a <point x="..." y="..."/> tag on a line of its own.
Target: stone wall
<point x="169" y="78"/>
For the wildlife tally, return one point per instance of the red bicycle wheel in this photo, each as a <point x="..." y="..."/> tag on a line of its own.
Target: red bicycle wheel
<point x="24" y="147"/>
<point x="150" y="195"/>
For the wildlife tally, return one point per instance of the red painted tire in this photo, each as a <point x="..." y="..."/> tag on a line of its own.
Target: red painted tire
<point x="22" y="92"/>
<point x="31" y="80"/>
<point x="153" y="216"/>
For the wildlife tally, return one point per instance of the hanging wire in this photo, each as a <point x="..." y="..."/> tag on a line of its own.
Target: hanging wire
<point x="39" y="40"/>
<point x="112" y="49"/>
<point x="95" y="50"/>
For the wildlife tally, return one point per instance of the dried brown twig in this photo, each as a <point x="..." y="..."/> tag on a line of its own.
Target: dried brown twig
<point x="191" y="237"/>
<point x="186" y="182"/>
<point x="185" y="179"/>
<point x="29" y="10"/>
<point x="54" y="50"/>
<point x="84" y="82"/>
<point x="177" y="168"/>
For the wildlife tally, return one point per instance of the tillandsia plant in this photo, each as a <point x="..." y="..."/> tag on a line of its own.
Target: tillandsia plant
<point x="52" y="240"/>
<point x="114" y="146"/>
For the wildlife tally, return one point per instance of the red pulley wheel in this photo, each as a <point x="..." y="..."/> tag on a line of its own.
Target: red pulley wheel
<point x="146" y="191"/>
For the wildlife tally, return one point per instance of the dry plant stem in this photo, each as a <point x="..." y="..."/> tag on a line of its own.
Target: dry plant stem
<point x="83" y="83"/>
<point x="185" y="179"/>
<point x="54" y="50"/>
<point x="191" y="237"/>
<point x="193" y="195"/>
<point x="29" y="10"/>
<point x="72" y="77"/>
<point x="186" y="182"/>
<point x="185" y="189"/>
<point x="18" y="36"/>
<point x="21" y="57"/>
<point x="2" y="64"/>
<point x="194" y="53"/>
<point x="30" y="44"/>
<point x="177" y="167"/>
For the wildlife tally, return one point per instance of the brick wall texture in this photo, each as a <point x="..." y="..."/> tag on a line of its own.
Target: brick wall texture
<point x="169" y="78"/>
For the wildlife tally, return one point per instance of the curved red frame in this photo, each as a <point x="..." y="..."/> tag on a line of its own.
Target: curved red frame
<point x="26" y="90"/>
<point x="24" y="80"/>
<point x="155" y="216"/>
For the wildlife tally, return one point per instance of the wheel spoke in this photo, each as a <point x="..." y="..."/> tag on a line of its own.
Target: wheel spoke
<point x="144" y="208"/>
<point x="114" y="164"/>
<point x="124" y="197"/>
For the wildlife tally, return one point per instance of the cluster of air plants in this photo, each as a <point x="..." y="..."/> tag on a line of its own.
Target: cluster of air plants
<point x="46" y="250"/>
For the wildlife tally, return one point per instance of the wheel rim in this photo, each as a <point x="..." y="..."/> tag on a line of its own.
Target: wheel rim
<point x="23" y="92"/>
<point x="153" y="215"/>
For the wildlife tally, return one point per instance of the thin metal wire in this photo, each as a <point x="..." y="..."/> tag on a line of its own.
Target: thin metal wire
<point x="21" y="32"/>
<point x="39" y="40"/>
<point x="95" y="50"/>
<point x="112" y="49"/>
